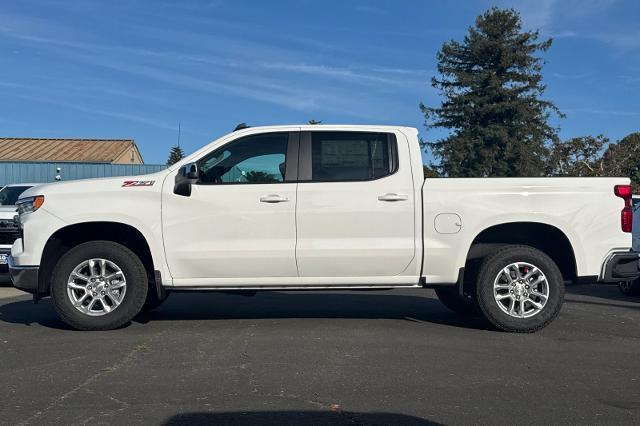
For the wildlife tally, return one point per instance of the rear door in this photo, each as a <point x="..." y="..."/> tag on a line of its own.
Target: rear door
<point x="355" y="207"/>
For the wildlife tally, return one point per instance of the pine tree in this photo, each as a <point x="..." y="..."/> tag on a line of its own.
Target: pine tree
<point x="491" y="84"/>
<point x="176" y="154"/>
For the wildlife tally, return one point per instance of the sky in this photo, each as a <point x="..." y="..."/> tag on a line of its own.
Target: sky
<point x="136" y="69"/>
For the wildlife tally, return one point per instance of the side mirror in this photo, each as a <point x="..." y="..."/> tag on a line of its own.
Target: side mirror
<point x="191" y="171"/>
<point x="187" y="175"/>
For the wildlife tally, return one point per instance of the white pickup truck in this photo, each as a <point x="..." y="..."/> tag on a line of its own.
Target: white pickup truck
<point x="320" y="207"/>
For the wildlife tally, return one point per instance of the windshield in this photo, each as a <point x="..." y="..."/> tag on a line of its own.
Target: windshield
<point x="9" y="194"/>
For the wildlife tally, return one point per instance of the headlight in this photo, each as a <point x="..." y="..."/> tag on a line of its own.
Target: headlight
<point x="29" y="204"/>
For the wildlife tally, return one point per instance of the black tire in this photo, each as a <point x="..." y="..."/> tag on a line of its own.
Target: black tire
<point x="451" y="298"/>
<point x="153" y="301"/>
<point x="630" y="288"/>
<point x="493" y="264"/>
<point x="132" y="269"/>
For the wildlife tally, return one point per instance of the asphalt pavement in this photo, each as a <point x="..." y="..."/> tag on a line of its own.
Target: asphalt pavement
<point x="396" y="357"/>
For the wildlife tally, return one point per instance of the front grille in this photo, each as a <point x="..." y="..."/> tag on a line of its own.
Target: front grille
<point x="8" y="237"/>
<point x="9" y="231"/>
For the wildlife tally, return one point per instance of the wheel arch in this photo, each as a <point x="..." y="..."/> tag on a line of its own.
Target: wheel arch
<point x="71" y="235"/>
<point x="543" y="236"/>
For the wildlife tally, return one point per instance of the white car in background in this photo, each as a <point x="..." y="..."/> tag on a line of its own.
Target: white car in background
<point x="632" y="288"/>
<point x="9" y="231"/>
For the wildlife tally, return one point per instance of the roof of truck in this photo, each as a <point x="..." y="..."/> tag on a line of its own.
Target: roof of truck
<point x="309" y="127"/>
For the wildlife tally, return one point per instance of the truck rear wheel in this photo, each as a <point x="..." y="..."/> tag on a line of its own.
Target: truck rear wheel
<point x="98" y="285"/>
<point x="519" y="289"/>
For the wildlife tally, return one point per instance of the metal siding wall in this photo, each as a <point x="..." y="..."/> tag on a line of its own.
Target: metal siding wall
<point x="41" y="172"/>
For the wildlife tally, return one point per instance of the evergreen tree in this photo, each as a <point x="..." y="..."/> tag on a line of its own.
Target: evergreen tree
<point x="491" y="84"/>
<point x="175" y="155"/>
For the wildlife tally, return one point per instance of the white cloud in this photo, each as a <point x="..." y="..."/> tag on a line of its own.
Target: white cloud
<point x="596" y="111"/>
<point x="360" y="76"/>
<point x="546" y="15"/>
<point x="252" y="70"/>
<point x="94" y="110"/>
<point x="538" y="14"/>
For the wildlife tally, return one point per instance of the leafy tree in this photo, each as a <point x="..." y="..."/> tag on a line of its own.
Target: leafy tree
<point x="581" y="156"/>
<point x="623" y="159"/>
<point x="491" y="84"/>
<point x="596" y="156"/>
<point x="176" y="154"/>
<point x="257" y="176"/>
<point x="429" y="172"/>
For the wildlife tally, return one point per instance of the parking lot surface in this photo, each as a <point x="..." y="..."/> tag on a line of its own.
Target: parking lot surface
<point x="396" y="357"/>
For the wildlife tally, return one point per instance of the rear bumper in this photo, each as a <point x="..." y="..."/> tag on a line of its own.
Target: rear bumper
<point x="24" y="278"/>
<point x="621" y="266"/>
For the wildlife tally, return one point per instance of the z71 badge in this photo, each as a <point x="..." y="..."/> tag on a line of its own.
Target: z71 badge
<point x="138" y="183"/>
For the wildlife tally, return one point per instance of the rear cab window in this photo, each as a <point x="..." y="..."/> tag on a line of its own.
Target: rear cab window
<point x="348" y="156"/>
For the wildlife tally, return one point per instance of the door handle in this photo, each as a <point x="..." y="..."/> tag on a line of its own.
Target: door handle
<point x="273" y="198"/>
<point x="393" y="197"/>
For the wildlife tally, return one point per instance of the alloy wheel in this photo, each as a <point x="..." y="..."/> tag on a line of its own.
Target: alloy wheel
<point x="96" y="287"/>
<point x="521" y="290"/>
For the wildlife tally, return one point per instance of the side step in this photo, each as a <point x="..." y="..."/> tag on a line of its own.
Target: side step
<point x="254" y="288"/>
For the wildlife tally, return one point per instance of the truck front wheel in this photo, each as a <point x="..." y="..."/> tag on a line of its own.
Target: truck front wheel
<point x="519" y="289"/>
<point x="98" y="285"/>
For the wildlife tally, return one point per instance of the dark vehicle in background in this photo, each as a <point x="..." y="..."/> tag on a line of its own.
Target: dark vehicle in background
<point x="632" y="288"/>
<point x="9" y="231"/>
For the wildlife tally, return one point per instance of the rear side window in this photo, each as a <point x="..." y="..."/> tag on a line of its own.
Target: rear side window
<point x="352" y="156"/>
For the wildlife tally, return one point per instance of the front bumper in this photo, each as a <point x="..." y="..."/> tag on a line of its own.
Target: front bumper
<point x="25" y="278"/>
<point x="4" y="267"/>
<point x="621" y="266"/>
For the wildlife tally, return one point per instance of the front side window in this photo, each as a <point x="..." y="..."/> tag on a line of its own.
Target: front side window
<point x="352" y="156"/>
<point x="254" y="159"/>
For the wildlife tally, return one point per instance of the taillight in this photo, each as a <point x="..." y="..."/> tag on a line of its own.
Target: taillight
<point x="626" y="216"/>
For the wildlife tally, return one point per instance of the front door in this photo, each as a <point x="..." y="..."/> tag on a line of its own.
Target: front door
<point x="238" y="224"/>
<point x="355" y="215"/>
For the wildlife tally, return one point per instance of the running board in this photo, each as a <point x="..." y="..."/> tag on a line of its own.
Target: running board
<point x="289" y="287"/>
